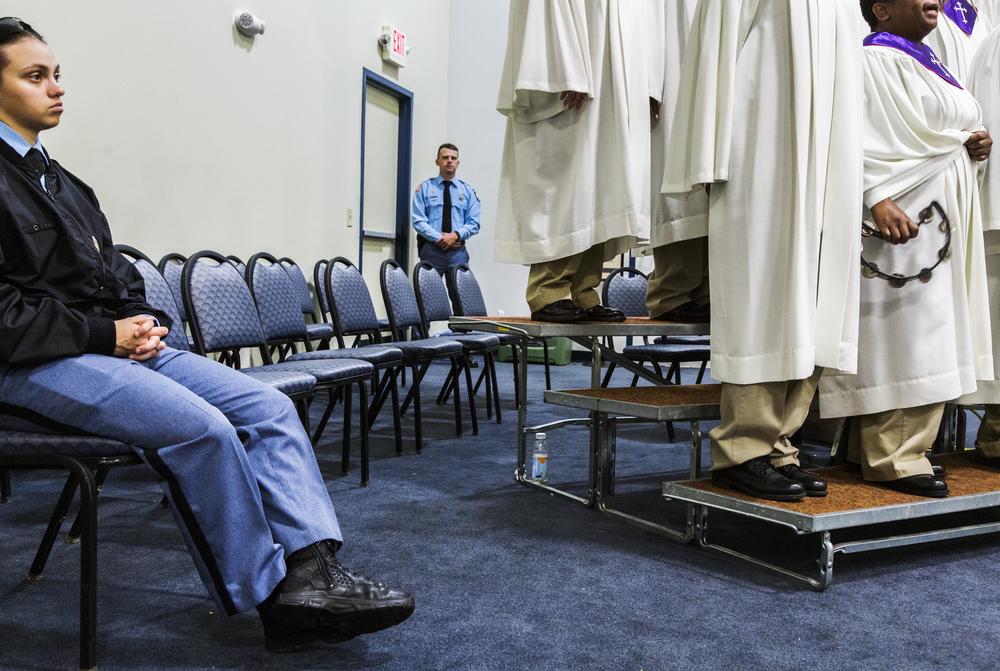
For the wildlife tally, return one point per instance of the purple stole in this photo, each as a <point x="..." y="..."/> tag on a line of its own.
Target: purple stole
<point x="962" y="14"/>
<point x="919" y="51"/>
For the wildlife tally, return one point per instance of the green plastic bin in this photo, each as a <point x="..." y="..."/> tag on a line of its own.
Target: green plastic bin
<point x="559" y="352"/>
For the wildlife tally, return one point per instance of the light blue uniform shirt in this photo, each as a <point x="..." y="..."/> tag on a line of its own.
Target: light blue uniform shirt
<point x="20" y="145"/>
<point x="428" y="206"/>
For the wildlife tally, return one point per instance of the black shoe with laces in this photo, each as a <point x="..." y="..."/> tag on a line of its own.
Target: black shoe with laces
<point x="560" y="312"/>
<point x="757" y="477"/>
<point x="813" y="485"/>
<point x="937" y="470"/>
<point x="321" y="600"/>
<point x="602" y="313"/>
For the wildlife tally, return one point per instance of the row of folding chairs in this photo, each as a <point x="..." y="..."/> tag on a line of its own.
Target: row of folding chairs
<point x="222" y="306"/>
<point x="402" y="342"/>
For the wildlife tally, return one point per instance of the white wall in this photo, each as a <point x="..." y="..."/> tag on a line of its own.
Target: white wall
<point x="479" y="38"/>
<point x="194" y="138"/>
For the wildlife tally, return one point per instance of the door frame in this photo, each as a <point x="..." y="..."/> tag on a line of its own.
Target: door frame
<point x="404" y="168"/>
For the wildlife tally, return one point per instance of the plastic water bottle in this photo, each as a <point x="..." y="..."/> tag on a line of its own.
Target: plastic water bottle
<point x="540" y="459"/>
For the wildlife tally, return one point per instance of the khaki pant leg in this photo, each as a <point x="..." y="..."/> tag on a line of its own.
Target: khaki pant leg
<point x="798" y="398"/>
<point x="551" y="281"/>
<point x="757" y="420"/>
<point x="680" y="275"/>
<point x="893" y="442"/>
<point x="988" y="437"/>
<point x="588" y="275"/>
<point x="854" y="442"/>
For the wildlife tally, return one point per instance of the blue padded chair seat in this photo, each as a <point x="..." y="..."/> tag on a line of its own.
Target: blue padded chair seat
<point x="474" y="342"/>
<point x="342" y="370"/>
<point x="319" y="331"/>
<point x="376" y="355"/>
<point x="668" y="353"/>
<point x="24" y="444"/>
<point x="428" y="347"/>
<point x="286" y="381"/>
<point x="504" y="338"/>
<point x="683" y="340"/>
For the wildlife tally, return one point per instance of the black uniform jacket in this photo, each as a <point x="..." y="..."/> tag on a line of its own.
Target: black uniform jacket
<point x="62" y="283"/>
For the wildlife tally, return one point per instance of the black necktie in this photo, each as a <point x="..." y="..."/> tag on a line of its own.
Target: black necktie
<point x="36" y="161"/>
<point x="446" y="215"/>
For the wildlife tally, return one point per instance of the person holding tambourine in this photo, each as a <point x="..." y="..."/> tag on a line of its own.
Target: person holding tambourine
<point x="924" y="328"/>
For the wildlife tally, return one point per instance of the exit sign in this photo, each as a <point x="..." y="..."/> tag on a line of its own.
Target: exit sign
<point x="393" y="45"/>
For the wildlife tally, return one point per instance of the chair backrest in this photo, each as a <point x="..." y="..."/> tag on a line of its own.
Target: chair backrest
<point x="319" y="281"/>
<point x="219" y="305"/>
<point x="432" y="295"/>
<point x="351" y="307"/>
<point x="466" y="296"/>
<point x="625" y="290"/>
<point x="158" y="295"/>
<point x="170" y="267"/>
<point x="400" y="301"/>
<point x="277" y="300"/>
<point x="238" y="262"/>
<point x="301" y="286"/>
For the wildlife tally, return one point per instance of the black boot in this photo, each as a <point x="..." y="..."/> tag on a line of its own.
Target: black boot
<point x="320" y="600"/>
<point x="813" y="485"/>
<point x="758" y="478"/>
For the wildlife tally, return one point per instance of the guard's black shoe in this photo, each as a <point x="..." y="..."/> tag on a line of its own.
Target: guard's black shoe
<point x="600" y="313"/>
<point x="689" y="313"/>
<point x="920" y="485"/>
<point x="758" y="478"/>
<point x="938" y="471"/>
<point x="813" y="485"/>
<point x="320" y="600"/>
<point x="563" y="312"/>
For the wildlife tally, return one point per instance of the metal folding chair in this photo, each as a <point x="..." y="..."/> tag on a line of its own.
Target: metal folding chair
<point x="224" y="321"/>
<point x="432" y="300"/>
<point x="467" y="301"/>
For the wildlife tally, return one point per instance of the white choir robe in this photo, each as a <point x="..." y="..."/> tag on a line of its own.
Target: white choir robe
<point x="956" y="49"/>
<point x="769" y="113"/>
<point x="673" y="219"/>
<point x="992" y="10"/>
<point x="927" y="342"/>
<point x="573" y="179"/>
<point x="984" y="83"/>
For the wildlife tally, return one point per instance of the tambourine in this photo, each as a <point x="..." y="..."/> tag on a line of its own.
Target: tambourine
<point x="871" y="269"/>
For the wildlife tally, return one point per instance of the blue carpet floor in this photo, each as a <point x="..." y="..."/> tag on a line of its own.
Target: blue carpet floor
<point x="506" y="577"/>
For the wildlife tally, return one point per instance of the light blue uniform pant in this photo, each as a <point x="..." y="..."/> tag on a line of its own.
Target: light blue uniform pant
<point x="442" y="259"/>
<point x="229" y="452"/>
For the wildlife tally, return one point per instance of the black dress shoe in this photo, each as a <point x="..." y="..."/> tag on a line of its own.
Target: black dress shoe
<point x="979" y="457"/>
<point x="813" y="485"/>
<point x="690" y="313"/>
<point x="920" y="485"/>
<point x="758" y="478"/>
<point x="938" y="471"/>
<point x="563" y="312"/>
<point x="320" y="600"/>
<point x="600" y="313"/>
